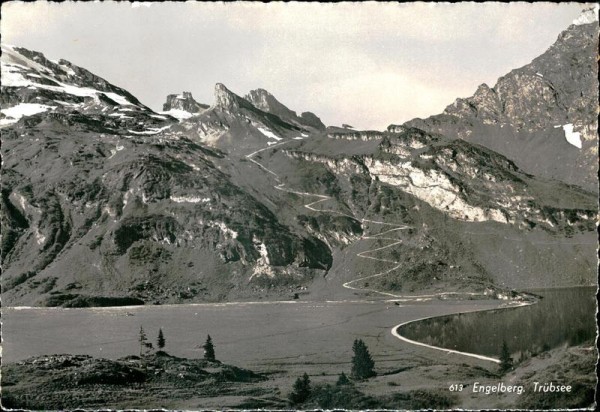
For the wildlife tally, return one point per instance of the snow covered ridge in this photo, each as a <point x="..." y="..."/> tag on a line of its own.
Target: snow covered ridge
<point x="587" y="16"/>
<point x="21" y="71"/>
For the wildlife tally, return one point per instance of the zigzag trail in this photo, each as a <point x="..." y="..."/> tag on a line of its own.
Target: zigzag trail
<point x="365" y="255"/>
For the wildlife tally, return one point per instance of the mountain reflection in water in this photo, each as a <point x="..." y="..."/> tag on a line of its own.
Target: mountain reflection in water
<point x="562" y="316"/>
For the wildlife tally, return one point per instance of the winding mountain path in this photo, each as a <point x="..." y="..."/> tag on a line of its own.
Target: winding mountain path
<point x="367" y="255"/>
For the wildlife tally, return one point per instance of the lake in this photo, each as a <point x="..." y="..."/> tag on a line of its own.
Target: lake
<point x="562" y="316"/>
<point x="295" y="334"/>
<point x="260" y="336"/>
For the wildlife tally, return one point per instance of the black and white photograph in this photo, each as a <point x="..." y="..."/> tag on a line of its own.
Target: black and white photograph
<point x="299" y="206"/>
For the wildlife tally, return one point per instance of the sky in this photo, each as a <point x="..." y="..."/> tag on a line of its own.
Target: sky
<point x="366" y="64"/>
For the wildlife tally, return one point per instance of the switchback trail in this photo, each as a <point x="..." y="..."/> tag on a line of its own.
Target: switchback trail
<point x="367" y="255"/>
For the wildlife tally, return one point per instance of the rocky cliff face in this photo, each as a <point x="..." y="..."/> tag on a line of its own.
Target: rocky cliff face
<point x="464" y="181"/>
<point x="265" y="101"/>
<point x="542" y="115"/>
<point x="182" y="106"/>
<point x="473" y="217"/>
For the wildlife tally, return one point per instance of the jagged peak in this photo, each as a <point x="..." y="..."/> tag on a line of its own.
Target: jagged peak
<point x="483" y="87"/>
<point x="25" y="68"/>
<point x="225" y="98"/>
<point x="265" y="101"/>
<point x="184" y="101"/>
<point x="261" y="92"/>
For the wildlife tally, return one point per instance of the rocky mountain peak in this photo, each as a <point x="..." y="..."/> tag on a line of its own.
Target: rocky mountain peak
<point x="311" y="119"/>
<point x="225" y="98"/>
<point x="184" y="102"/>
<point x="60" y="91"/>
<point x="538" y="113"/>
<point x="265" y="101"/>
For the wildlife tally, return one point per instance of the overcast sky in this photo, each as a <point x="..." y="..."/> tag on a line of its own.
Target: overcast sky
<point x="367" y="64"/>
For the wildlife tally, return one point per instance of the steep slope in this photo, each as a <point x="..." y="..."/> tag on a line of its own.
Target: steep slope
<point x="453" y="216"/>
<point x="542" y="115"/>
<point x="94" y="212"/>
<point x="32" y="84"/>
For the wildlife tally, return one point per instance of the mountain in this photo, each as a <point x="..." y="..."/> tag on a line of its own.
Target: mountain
<point x="542" y="115"/>
<point x="182" y="106"/>
<point x="32" y="84"/>
<point x="236" y="125"/>
<point x="101" y="202"/>
<point x="266" y="102"/>
<point x="452" y="215"/>
<point x="106" y="202"/>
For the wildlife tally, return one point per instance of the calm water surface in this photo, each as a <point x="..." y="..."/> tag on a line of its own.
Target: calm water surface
<point x="249" y="335"/>
<point x="562" y="316"/>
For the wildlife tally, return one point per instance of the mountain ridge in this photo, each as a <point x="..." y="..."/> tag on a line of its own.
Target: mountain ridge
<point x="541" y="115"/>
<point x="104" y="199"/>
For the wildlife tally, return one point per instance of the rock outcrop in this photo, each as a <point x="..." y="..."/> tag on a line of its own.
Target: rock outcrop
<point x="542" y="115"/>
<point x="266" y="102"/>
<point x="183" y="102"/>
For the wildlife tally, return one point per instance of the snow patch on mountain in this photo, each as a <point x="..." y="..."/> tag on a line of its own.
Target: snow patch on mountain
<point x="268" y="133"/>
<point x="178" y="114"/>
<point x="13" y="114"/>
<point x="572" y="137"/>
<point x="152" y="130"/>
<point x="190" y="199"/>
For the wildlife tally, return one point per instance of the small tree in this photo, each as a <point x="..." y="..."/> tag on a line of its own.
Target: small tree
<point x="506" y="362"/>
<point x="362" y="363"/>
<point x="209" y="350"/>
<point x="160" y="341"/>
<point x="301" y="390"/>
<point x="143" y="340"/>
<point x="342" y="380"/>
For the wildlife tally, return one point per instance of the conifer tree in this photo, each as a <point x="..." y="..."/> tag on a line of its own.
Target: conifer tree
<point x="160" y="341"/>
<point x="362" y="363"/>
<point x="142" y="339"/>
<point x="301" y="390"/>
<point x="342" y="380"/>
<point x="209" y="350"/>
<point x="506" y="361"/>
